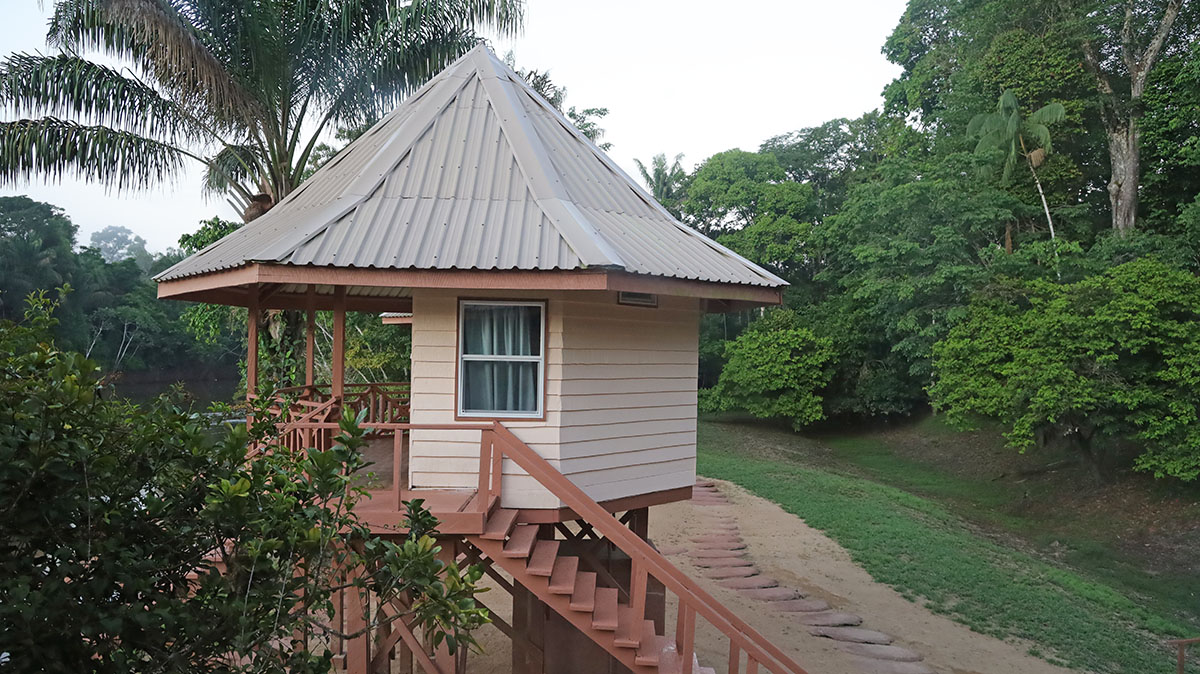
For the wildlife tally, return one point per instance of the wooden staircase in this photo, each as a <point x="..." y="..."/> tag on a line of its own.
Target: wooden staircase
<point x="559" y="581"/>
<point x="620" y="627"/>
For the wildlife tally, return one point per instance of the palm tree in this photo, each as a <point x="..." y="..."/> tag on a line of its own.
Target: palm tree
<point x="665" y="182"/>
<point x="1018" y="137"/>
<point x="244" y="87"/>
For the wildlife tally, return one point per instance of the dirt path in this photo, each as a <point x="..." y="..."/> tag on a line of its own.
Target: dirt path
<point x="783" y="548"/>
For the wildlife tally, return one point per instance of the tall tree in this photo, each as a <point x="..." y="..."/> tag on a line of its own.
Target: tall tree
<point x="1121" y="55"/>
<point x="586" y="120"/>
<point x="246" y="88"/>
<point x="666" y="182"/>
<point x="116" y="243"/>
<point x="1018" y="138"/>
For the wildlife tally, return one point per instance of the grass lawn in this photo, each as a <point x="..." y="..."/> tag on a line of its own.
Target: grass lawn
<point x="932" y="552"/>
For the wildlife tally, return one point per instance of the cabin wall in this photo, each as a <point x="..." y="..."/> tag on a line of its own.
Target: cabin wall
<point x="628" y="395"/>
<point x="620" y="408"/>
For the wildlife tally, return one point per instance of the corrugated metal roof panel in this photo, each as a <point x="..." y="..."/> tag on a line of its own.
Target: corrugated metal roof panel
<point x="475" y="171"/>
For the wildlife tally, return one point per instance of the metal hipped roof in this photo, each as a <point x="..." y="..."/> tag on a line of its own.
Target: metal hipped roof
<point x="475" y="171"/>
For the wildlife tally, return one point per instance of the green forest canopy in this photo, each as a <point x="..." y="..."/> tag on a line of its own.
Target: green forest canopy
<point x="898" y="230"/>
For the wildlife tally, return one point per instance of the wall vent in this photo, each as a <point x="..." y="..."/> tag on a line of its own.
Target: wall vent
<point x="637" y="299"/>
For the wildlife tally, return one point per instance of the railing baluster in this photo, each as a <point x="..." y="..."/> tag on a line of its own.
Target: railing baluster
<point x="735" y="657"/>
<point x="751" y="665"/>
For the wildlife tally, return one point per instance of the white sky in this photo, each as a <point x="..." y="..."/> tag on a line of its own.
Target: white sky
<point x="690" y="76"/>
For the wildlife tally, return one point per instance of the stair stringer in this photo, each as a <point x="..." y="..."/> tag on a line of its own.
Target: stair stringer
<point x="561" y="603"/>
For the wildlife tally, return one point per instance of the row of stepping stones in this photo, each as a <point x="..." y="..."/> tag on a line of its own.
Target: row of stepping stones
<point x="721" y="554"/>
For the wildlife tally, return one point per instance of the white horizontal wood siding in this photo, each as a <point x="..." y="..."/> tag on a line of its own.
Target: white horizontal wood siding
<point x="450" y="459"/>
<point x="628" y="397"/>
<point x="620" y="397"/>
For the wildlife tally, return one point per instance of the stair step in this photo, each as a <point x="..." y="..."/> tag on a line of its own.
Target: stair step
<point x="520" y="544"/>
<point x="541" y="562"/>
<point x="629" y="629"/>
<point x="500" y="524"/>
<point x="583" y="597"/>
<point x="648" y="651"/>
<point x="604" y="617"/>
<point x="562" y="579"/>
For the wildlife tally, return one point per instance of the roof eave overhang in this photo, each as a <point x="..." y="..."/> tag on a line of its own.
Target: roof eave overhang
<point x="233" y="286"/>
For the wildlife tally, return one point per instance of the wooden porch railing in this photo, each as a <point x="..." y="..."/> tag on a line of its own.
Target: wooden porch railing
<point x="1181" y="646"/>
<point x="307" y="432"/>
<point x="646" y="562"/>
<point x="385" y="402"/>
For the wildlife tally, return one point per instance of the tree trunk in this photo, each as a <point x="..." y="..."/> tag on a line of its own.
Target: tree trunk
<point x="1124" y="153"/>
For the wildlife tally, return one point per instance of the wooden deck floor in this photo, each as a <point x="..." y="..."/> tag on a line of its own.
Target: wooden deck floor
<point x="456" y="509"/>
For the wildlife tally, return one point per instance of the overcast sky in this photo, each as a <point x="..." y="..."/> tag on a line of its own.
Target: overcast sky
<point x="678" y="76"/>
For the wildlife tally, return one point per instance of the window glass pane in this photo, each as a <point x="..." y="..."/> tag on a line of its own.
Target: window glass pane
<point x="499" y="386"/>
<point x="492" y="330"/>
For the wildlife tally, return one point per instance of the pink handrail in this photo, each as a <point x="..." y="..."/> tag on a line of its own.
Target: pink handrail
<point x="645" y="559"/>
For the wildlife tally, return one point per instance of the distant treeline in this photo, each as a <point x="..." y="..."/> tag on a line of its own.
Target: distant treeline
<point x="111" y="311"/>
<point x="970" y="245"/>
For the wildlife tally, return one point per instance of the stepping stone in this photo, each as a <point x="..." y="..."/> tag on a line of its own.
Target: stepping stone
<point x="715" y="554"/>
<point x="801" y="606"/>
<point x="705" y="483"/>
<point x="717" y="538"/>
<point x="731" y="572"/>
<point x="881" y="652"/>
<point x="672" y="550"/>
<point x="892" y="667"/>
<point x="855" y="634"/>
<point x="770" y="594"/>
<point x="750" y="583"/>
<point x="720" y="545"/>
<point x="718" y="517"/>
<point x="722" y="562"/>
<point x="709" y="502"/>
<point x="830" y="619"/>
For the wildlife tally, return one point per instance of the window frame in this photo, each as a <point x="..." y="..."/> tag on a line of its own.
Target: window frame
<point x="460" y="358"/>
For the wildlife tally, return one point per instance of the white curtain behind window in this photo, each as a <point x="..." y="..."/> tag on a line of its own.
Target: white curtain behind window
<point x="509" y="383"/>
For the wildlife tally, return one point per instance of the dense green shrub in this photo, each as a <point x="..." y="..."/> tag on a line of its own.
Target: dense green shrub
<point x="775" y="369"/>
<point x="1109" y="359"/>
<point x="114" y="519"/>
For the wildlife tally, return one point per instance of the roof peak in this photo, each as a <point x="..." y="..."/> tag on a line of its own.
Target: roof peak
<point x="475" y="170"/>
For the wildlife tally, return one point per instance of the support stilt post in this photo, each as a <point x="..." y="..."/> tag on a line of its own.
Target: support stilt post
<point x="252" y="316"/>
<point x="337" y="385"/>
<point x="310" y="336"/>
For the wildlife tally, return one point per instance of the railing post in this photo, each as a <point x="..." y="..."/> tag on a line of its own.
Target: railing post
<point x="637" y="589"/>
<point x="685" y="635"/>
<point x="497" y="469"/>
<point x="484" y="489"/>
<point x="735" y="657"/>
<point x="397" y="466"/>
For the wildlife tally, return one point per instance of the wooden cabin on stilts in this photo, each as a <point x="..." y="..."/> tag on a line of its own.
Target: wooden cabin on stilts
<point x="555" y="310"/>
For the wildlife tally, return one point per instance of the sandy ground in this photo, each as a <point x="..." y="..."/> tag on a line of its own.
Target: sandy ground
<point x="783" y="547"/>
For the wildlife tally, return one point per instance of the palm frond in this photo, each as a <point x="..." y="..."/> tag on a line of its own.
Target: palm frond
<point x="66" y="85"/>
<point x="156" y="36"/>
<point x="232" y="169"/>
<point x="53" y="148"/>
<point x="1049" y="114"/>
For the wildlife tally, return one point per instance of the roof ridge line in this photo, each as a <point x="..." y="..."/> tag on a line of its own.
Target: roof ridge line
<point x="531" y="156"/>
<point x="640" y="192"/>
<point x="375" y="173"/>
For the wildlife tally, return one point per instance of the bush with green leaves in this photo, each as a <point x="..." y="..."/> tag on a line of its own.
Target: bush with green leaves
<point x="775" y="369"/>
<point x="1105" y="363"/>
<point x="140" y="539"/>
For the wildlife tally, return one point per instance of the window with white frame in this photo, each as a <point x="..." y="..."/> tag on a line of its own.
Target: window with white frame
<point x="501" y="358"/>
